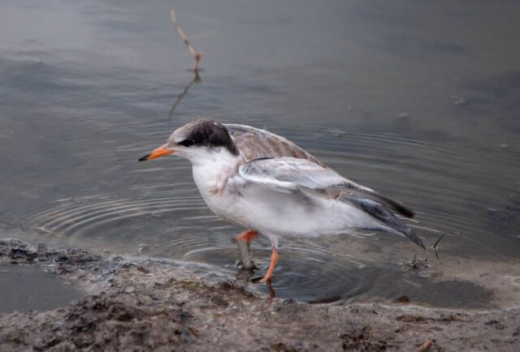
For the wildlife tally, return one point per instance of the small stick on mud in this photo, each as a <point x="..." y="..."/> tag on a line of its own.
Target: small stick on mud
<point x="425" y="346"/>
<point x="196" y="55"/>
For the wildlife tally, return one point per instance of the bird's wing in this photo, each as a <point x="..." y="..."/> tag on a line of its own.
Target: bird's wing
<point x="289" y="174"/>
<point x="254" y="143"/>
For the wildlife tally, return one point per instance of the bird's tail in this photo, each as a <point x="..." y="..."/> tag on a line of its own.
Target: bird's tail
<point x="371" y="205"/>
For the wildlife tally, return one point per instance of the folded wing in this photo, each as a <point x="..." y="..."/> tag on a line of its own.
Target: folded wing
<point x="254" y="143"/>
<point x="288" y="174"/>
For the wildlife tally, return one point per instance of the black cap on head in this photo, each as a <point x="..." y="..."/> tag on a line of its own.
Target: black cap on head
<point x="207" y="133"/>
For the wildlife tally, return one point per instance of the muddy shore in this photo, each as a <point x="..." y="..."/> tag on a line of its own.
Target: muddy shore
<point x="157" y="305"/>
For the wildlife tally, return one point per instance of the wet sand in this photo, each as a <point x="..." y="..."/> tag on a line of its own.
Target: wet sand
<point x="159" y="305"/>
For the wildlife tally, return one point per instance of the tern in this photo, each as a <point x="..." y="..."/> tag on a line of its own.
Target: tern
<point x="266" y="184"/>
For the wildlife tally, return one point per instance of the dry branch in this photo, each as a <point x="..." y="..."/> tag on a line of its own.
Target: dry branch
<point x="184" y="92"/>
<point x="193" y="52"/>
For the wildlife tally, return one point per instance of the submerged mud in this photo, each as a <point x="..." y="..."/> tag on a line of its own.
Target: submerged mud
<point x="154" y="305"/>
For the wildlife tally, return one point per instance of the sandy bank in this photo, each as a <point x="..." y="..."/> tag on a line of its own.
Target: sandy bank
<point x="145" y="305"/>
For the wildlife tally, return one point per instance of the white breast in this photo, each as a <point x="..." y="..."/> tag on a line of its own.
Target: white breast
<point x="212" y="177"/>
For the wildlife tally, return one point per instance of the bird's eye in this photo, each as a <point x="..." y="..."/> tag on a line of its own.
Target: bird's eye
<point x="187" y="142"/>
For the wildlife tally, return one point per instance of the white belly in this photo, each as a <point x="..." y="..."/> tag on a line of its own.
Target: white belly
<point x="299" y="215"/>
<point x="281" y="214"/>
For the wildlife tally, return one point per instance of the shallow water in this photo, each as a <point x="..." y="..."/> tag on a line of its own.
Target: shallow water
<point x="26" y="288"/>
<point x="417" y="100"/>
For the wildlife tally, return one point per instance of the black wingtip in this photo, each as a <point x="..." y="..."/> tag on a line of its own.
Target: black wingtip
<point x="144" y="158"/>
<point x="416" y="239"/>
<point x="398" y="207"/>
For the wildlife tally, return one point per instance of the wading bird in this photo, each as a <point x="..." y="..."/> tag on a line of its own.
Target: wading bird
<point x="266" y="184"/>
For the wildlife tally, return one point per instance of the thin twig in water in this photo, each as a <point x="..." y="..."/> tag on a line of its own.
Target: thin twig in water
<point x="439" y="240"/>
<point x="184" y="92"/>
<point x="193" y="52"/>
<point x="435" y="247"/>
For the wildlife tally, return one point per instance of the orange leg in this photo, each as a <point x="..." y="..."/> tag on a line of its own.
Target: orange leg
<point x="247" y="236"/>
<point x="274" y="259"/>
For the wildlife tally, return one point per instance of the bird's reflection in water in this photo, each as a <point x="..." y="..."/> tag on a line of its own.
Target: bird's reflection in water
<point x="196" y="79"/>
<point x="246" y="267"/>
<point x="272" y="294"/>
<point x="245" y="276"/>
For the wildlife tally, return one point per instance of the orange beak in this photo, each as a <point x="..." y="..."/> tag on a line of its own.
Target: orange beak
<point x="156" y="153"/>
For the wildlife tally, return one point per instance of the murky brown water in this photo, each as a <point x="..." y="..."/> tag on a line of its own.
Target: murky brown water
<point x="417" y="100"/>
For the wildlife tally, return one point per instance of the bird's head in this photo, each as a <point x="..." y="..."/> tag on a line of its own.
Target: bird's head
<point x="197" y="141"/>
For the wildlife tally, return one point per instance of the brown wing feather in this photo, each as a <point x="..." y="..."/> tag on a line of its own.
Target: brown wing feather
<point x="254" y="143"/>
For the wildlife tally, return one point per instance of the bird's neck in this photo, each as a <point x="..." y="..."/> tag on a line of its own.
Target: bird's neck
<point x="212" y="170"/>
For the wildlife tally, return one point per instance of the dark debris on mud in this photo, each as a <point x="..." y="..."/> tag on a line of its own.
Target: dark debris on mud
<point x="152" y="305"/>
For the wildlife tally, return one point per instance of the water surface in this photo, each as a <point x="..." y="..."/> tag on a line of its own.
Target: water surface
<point x="417" y="100"/>
<point x="26" y="288"/>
